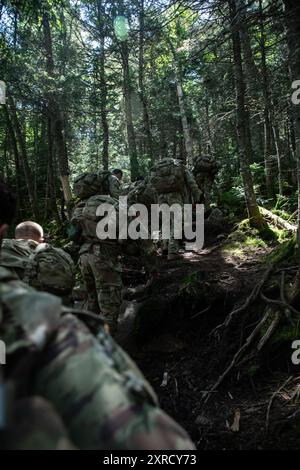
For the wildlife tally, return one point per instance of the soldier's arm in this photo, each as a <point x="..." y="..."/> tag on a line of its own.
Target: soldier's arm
<point x="191" y="183"/>
<point x="114" y="187"/>
<point x="103" y="399"/>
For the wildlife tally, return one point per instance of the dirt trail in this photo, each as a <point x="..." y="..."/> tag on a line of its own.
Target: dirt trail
<point x="182" y="361"/>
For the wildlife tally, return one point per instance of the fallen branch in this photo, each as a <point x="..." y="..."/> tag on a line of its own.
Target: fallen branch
<point x="201" y="313"/>
<point x="272" y="399"/>
<point x="278" y="221"/>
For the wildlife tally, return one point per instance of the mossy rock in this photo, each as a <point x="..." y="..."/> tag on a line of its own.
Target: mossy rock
<point x="284" y="252"/>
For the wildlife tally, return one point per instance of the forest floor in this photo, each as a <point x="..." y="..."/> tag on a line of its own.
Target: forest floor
<point x="168" y="334"/>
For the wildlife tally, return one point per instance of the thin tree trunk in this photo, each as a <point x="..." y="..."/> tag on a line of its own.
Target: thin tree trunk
<point x="134" y="164"/>
<point x="56" y="117"/>
<point x="52" y="195"/>
<point x="267" y="110"/>
<point x="146" y="119"/>
<point x="292" y="16"/>
<point x="243" y="126"/>
<point x="23" y="159"/>
<point x="277" y="144"/>
<point x="14" y="145"/>
<point x="103" y="86"/>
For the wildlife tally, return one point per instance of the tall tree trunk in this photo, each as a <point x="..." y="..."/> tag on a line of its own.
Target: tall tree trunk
<point x="277" y="144"/>
<point x="143" y="98"/>
<point x="188" y="141"/>
<point x="292" y="16"/>
<point x="52" y="194"/>
<point x="56" y="116"/>
<point x="243" y="126"/>
<point x="14" y="123"/>
<point x="134" y="164"/>
<point x="14" y="145"/>
<point x="267" y="109"/>
<point x="103" y="86"/>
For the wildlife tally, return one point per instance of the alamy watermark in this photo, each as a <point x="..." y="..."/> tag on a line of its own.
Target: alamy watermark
<point x="2" y="353"/>
<point x="296" y="94"/>
<point x="163" y="222"/>
<point x="2" y="92"/>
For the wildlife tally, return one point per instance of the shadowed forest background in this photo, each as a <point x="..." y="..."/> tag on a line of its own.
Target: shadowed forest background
<point x="101" y="84"/>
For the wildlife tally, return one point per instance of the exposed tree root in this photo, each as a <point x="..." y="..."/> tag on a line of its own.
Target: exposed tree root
<point x="272" y="399"/>
<point x="250" y="299"/>
<point x="274" y="313"/>
<point x="238" y="354"/>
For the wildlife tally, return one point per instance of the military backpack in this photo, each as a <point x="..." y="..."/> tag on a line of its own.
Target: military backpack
<point x="50" y="269"/>
<point x="168" y="176"/>
<point x="85" y="215"/>
<point x="89" y="184"/>
<point x="15" y="254"/>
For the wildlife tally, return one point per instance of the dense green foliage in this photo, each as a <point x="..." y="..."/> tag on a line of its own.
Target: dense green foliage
<point x="116" y="61"/>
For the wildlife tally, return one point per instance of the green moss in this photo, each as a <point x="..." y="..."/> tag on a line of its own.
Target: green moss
<point x="284" y="252"/>
<point x="253" y="369"/>
<point x="246" y="238"/>
<point x="286" y="334"/>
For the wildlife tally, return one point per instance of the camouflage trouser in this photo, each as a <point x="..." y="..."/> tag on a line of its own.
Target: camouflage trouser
<point x="206" y="184"/>
<point x="172" y="245"/>
<point x="103" y="399"/>
<point x="101" y="274"/>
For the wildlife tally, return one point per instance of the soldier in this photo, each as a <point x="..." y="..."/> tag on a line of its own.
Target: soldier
<point x="101" y="398"/>
<point x="99" y="260"/>
<point x="29" y="231"/>
<point x="38" y="264"/>
<point x="16" y="252"/>
<point x="205" y="171"/>
<point x="115" y="183"/>
<point x="174" y="184"/>
<point x="142" y="192"/>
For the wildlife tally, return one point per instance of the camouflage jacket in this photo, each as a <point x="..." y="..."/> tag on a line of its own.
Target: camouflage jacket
<point x="191" y="186"/>
<point x="102" y="398"/>
<point x="115" y="186"/>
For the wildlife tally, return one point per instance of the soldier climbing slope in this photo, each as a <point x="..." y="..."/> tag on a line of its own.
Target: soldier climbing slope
<point x="174" y="184"/>
<point x="205" y="171"/>
<point x="99" y="259"/>
<point x="83" y="390"/>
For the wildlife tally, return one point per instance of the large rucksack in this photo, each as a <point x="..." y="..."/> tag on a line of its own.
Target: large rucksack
<point x="168" y="176"/>
<point x="85" y="215"/>
<point x="50" y="269"/>
<point x="15" y="254"/>
<point x="89" y="184"/>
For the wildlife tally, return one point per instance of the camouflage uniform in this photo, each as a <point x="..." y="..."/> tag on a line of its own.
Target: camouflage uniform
<point x="100" y="268"/>
<point x="102" y="399"/>
<point x="101" y="273"/>
<point x="142" y="192"/>
<point x="115" y="186"/>
<point x="190" y="190"/>
<point x="35" y="424"/>
<point x="205" y="171"/>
